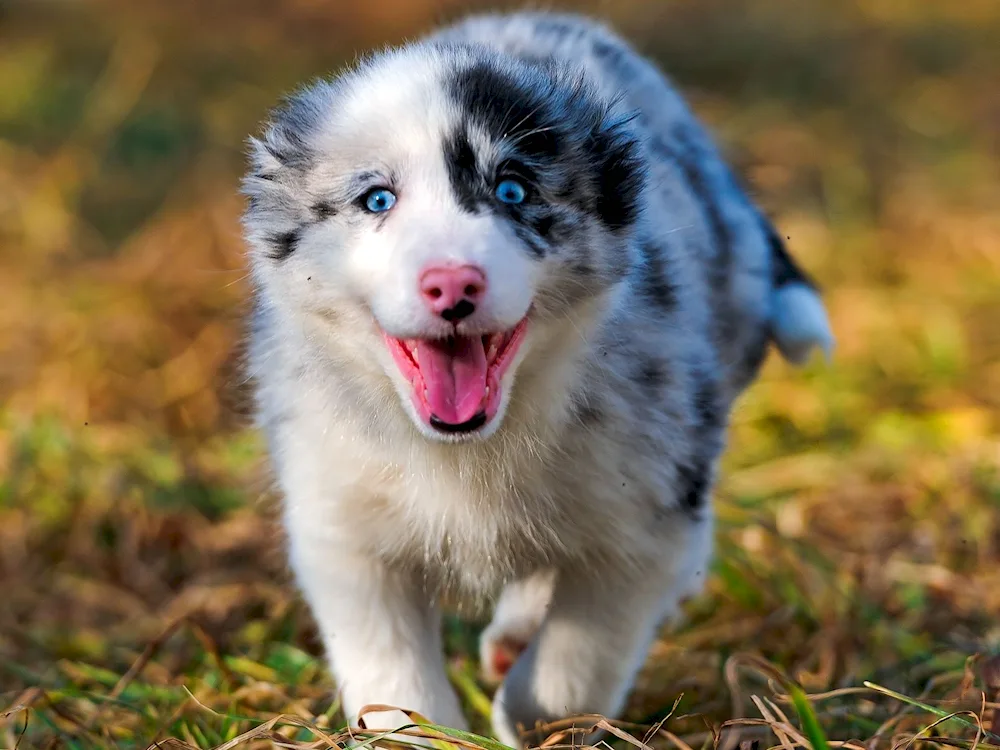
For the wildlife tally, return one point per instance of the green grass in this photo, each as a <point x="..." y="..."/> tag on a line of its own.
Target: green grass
<point x="855" y="595"/>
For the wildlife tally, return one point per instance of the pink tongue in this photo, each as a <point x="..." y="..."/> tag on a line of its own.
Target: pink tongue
<point x="455" y="377"/>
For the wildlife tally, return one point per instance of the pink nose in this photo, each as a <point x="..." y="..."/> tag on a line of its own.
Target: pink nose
<point x="453" y="291"/>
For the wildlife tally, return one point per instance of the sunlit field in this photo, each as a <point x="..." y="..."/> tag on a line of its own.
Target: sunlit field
<point x="143" y="593"/>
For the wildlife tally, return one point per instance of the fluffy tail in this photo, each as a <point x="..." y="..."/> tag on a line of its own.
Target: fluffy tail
<point x="798" y="317"/>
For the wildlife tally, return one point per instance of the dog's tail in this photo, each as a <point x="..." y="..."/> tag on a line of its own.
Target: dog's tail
<point x="798" y="317"/>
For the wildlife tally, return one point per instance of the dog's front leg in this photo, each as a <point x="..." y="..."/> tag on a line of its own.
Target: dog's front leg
<point x="380" y="629"/>
<point x="594" y="639"/>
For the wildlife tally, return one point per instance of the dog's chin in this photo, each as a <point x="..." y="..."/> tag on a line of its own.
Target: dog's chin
<point x="455" y="389"/>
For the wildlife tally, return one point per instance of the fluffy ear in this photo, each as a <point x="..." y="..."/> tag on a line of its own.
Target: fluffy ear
<point x="270" y="196"/>
<point x="278" y="163"/>
<point x="279" y="159"/>
<point x="275" y="204"/>
<point x="264" y="164"/>
<point x="261" y="183"/>
<point x="621" y="173"/>
<point x="274" y="181"/>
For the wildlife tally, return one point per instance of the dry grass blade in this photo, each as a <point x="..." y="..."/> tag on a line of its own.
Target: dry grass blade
<point x="172" y="743"/>
<point x="942" y="720"/>
<point x="143" y="659"/>
<point x="795" y="738"/>
<point x="621" y="734"/>
<point x="817" y="739"/>
<point x="20" y="704"/>
<point x="440" y="736"/>
<point x="658" y="726"/>
<point x="675" y="740"/>
<point x="265" y="730"/>
<point x="777" y="726"/>
<point x="945" y="715"/>
<point x="965" y="744"/>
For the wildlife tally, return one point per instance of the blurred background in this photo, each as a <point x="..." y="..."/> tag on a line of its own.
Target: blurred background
<point x="143" y="593"/>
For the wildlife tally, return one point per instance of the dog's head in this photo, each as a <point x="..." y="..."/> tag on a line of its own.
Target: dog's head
<point x="442" y="205"/>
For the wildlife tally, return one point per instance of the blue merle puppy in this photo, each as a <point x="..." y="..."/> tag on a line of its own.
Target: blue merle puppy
<point x="506" y="292"/>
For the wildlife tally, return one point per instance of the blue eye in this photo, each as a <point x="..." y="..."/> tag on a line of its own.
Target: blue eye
<point x="511" y="191"/>
<point x="379" y="200"/>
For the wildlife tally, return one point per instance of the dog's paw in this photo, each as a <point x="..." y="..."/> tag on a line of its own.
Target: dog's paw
<point x="517" y="618"/>
<point x="498" y="654"/>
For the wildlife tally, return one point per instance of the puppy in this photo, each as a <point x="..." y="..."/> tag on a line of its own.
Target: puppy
<point x="505" y="293"/>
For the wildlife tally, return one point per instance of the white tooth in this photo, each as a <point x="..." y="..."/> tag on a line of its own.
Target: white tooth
<point x="487" y="391"/>
<point x="493" y="353"/>
<point x="416" y="359"/>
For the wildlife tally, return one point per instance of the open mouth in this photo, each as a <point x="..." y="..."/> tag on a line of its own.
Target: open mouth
<point x="455" y="382"/>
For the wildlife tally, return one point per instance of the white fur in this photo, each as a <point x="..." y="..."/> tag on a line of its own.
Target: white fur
<point x="800" y="323"/>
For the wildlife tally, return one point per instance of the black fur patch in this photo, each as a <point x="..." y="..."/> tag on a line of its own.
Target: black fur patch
<point x="542" y="224"/>
<point x="611" y="55"/>
<point x="294" y="121"/>
<point x="707" y="404"/>
<point x="783" y="268"/>
<point x="508" y="108"/>
<point x="692" y="486"/>
<point x="466" y="181"/>
<point x="587" y="411"/>
<point x="559" y="131"/>
<point x="289" y="147"/>
<point x="652" y="375"/>
<point x="283" y="244"/>
<point x="655" y="283"/>
<point x="324" y="210"/>
<point x="620" y="179"/>
<point x="754" y="354"/>
<point x="536" y="246"/>
<point x="694" y="476"/>
<point x="556" y="26"/>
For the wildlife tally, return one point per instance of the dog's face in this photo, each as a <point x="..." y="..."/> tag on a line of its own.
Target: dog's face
<point x="439" y="207"/>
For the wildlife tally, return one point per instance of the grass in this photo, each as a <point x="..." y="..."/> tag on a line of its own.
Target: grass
<point x="855" y="597"/>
